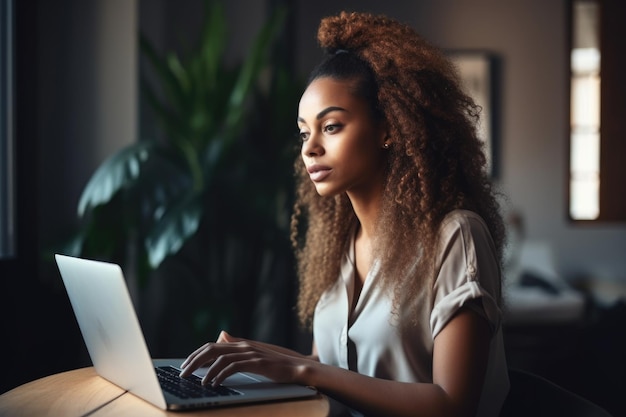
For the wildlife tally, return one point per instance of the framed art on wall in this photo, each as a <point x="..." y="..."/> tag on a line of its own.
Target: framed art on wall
<point x="477" y="77"/>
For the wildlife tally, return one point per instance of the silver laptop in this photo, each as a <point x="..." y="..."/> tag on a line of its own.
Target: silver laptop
<point x="116" y="345"/>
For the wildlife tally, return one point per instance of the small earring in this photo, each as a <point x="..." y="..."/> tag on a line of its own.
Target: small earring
<point x="386" y="145"/>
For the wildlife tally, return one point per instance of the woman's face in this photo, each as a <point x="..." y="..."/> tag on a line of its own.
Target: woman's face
<point x="342" y="145"/>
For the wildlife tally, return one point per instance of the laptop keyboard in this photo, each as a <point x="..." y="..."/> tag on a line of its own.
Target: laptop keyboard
<point x="190" y="387"/>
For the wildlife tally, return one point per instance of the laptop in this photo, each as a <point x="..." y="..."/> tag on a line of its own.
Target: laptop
<point x="111" y="331"/>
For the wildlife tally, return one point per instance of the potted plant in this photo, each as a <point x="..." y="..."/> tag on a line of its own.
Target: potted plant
<point x="205" y="208"/>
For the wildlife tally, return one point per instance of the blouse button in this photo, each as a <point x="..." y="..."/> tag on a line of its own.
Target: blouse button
<point x="471" y="270"/>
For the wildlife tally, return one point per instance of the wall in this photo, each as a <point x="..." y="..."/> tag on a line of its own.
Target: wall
<point x="75" y="106"/>
<point x="87" y="100"/>
<point x="530" y="39"/>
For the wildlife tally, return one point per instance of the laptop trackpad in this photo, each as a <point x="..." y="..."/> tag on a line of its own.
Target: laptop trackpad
<point x="239" y="378"/>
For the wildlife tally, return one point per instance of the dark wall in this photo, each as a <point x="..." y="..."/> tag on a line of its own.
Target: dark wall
<point x="33" y="315"/>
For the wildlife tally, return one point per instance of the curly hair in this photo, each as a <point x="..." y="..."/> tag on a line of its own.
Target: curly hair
<point x="435" y="164"/>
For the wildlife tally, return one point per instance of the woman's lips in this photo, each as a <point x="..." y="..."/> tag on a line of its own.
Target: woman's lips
<point x="318" y="172"/>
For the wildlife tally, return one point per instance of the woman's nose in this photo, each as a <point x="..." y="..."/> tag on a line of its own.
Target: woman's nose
<point x="312" y="146"/>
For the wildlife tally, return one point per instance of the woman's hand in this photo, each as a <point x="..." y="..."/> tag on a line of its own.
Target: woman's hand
<point x="231" y="354"/>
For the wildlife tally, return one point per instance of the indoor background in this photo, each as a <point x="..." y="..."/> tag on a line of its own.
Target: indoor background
<point x="79" y="101"/>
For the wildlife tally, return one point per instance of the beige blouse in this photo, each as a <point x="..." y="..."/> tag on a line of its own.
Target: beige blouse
<point x="373" y="341"/>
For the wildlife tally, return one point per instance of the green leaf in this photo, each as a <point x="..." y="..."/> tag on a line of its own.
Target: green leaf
<point x="177" y="225"/>
<point x="179" y="72"/>
<point x="115" y="173"/>
<point x="162" y="182"/>
<point x="167" y="79"/>
<point x="167" y="119"/>
<point x="256" y="60"/>
<point x="213" y="41"/>
<point x="149" y="177"/>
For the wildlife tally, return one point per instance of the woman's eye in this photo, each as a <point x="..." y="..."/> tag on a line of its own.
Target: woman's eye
<point x="303" y="136"/>
<point x="332" y="128"/>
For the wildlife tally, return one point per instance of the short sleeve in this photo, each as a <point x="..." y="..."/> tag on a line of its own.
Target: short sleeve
<point x="468" y="271"/>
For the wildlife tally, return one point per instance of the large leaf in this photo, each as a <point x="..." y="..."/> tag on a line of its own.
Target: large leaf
<point x="173" y="229"/>
<point x="255" y="62"/>
<point x="168" y="82"/>
<point x="148" y="174"/>
<point x="213" y="43"/>
<point x="161" y="184"/>
<point x="115" y="173"/>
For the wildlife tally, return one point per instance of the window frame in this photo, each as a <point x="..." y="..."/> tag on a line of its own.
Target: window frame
<point x="7" y="132"/>
<point x="612" y="170"/>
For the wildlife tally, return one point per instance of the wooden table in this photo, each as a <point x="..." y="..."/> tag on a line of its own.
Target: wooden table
<point x="82" y="392"/>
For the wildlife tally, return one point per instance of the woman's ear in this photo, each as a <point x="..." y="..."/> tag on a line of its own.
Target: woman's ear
<point x="386" y="140"/>
<point x="385" y="136"/>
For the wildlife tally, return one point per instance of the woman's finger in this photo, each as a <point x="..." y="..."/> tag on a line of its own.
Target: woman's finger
<point x="228" y="364"/>
<point x="210" y="352"/>
<point x="194" y="354"/>
<point x="202" y="356"/>
<point x="224" y="337"/>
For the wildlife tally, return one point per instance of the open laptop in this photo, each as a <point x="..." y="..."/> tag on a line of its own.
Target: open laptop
<point x="116" y="345"/>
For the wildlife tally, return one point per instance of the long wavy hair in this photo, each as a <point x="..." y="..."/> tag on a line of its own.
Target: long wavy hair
<point x="435" y="164"/>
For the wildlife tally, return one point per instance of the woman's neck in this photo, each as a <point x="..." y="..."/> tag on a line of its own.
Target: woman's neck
<point x="367" y="209"/>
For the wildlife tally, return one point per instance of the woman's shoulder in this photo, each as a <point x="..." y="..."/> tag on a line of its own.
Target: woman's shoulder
<point x="463" y="219"/>
<point x="466" y="228"/>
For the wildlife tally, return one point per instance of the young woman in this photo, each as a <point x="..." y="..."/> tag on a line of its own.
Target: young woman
<point x="398" y="236"/>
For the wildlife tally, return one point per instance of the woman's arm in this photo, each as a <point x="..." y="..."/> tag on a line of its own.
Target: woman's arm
<point x="459" y="363"/>
<point x="460" y="357"/>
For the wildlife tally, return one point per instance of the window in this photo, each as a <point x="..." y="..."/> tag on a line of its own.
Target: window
<point x="7" y="177"/>
<point x="585" y="112"/>
<point x="597" y="172"/>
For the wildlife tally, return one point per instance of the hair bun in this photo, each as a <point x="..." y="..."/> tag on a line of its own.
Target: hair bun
<point x="341" y="32"/>
<point x="351" y="30"/>
<point x="375" y="39"/>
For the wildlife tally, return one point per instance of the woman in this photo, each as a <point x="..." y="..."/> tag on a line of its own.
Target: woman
<point x="397" y="232"/>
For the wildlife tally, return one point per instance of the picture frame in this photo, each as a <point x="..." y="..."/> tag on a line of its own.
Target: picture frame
<point x="477" y="74"/>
